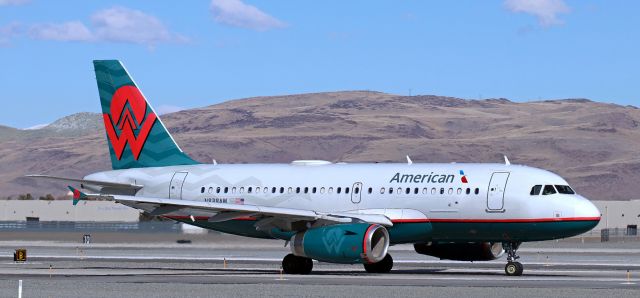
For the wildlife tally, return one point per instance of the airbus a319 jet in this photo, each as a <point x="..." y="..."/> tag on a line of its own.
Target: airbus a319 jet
<point x="329" y="212"/>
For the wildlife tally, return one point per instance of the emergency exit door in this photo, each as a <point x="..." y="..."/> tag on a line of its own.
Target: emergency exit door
<point x="356" y="193"/>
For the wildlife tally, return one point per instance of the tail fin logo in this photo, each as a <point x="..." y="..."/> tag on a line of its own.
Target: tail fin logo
<point x="128" y="121"/>
<point x="463" y="177"/>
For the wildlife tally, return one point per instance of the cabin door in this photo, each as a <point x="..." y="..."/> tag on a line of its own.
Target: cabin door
<point x="495" y="193"/>
<point x="175" y="188"/>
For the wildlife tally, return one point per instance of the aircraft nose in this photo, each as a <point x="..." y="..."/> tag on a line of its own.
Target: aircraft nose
<point x="587" y="210"/>
<point x="587" y="215"/>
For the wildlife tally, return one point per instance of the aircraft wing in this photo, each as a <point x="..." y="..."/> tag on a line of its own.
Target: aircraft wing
<point x="217" y="212"/>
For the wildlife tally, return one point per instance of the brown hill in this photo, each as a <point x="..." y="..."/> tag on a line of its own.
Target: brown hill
<point x="596" y="146"/>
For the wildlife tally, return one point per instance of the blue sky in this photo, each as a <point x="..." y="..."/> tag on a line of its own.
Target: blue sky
<point x="202" y="52"/>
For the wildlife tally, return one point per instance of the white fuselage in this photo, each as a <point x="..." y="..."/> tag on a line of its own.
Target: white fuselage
<point x="489" y="193"/>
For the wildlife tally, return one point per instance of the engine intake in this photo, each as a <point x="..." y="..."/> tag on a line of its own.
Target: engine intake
<point x="344" y="243"/>
<point x="476" y="251"/>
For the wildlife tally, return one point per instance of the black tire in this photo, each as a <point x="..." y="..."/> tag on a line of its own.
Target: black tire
<point x="307" y="266"/>
<point x="520" y="268"/>
<point x="513" y="269"/>
<point x="383" y="266"/>
<point x="292" y="264"/>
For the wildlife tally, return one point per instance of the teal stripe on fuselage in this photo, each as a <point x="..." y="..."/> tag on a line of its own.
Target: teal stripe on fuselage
<point x="439" y="231"/>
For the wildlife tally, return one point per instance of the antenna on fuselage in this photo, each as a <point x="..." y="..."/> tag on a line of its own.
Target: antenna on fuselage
<point x="409" y="161"/>
<point x="506" y="161"/>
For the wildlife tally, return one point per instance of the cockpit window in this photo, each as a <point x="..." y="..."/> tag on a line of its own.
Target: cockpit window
<point x="535" y="190"/>
<point x="548" y="190"/>
<point x="565" y="189"/>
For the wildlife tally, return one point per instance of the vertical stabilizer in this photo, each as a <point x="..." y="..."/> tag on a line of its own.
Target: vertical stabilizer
<point x="136" y="136"/>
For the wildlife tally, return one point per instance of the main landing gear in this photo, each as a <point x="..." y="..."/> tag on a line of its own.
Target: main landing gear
<point x="292" y="264"/>
<point x="383" y="266"/>
<point x="513" y="268"/>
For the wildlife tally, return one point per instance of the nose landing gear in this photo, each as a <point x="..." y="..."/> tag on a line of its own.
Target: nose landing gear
<point x="513" y="268"/>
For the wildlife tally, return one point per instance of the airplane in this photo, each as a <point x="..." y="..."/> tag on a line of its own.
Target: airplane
<point x="325" y="211"/>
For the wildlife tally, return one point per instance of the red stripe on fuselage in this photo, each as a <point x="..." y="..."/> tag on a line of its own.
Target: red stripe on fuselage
<point x="510" y="220"/>
<point x="439" y="220"/>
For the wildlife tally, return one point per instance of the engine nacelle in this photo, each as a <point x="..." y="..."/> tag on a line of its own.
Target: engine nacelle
<point x="477" y="251"/>
<point x="343" y="243"/>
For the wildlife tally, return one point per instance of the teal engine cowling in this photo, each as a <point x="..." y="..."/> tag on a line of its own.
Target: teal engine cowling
<point x="343" y="243"/>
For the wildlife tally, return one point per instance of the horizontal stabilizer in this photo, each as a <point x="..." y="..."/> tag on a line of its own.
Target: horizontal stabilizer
<point x="130" y="188"/>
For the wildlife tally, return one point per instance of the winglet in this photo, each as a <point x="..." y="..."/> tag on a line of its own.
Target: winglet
<point x="506" y="161"/>
<point x="77" y="195"/>
<point x="409" y="161"/>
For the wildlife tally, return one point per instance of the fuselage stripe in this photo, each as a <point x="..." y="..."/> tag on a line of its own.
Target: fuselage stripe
<point x="439" y="220"/>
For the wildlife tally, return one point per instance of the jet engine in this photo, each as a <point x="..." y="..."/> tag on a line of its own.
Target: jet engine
<point x="343" y="243"/>
<point x="475" y="251"/>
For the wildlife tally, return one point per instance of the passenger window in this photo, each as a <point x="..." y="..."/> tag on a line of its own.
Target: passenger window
<point x="399" y="190"/>
<point x="257" y="189"/>
<point x="313" y="190"/>
<point x="407" y="190"/>
<point x="339" y="190"/>
<point x="450" y="191"/>
<point x="218" y="189"/>
<point x="297" y="189"/>
<point x="250" y="189"/>
<point x="226" y="190"/>
<point x="370" y="190"/>
<point x="390" y="190"/>
<point x="356" y="190"/>
<point x="477" y="191"/>
<point x="381" y="190"/>
<point x="346" y="190"/>
<point x="415" y="191"/>
<point x="290" y="189"/>
<point x="202" y="190"/>
<point x="322" y="190"/>
<point x="468" y="190"/>
<point x="425" y="191"/>
<point x="548" y="190"/>
<point x="306" y="190"/>
<point x="233" y="190"/>
<point x="565" y="189"/>
<point x="535" y="190"/>
<point x="273" y="190"/>
<point x="330" y="189"/>
<point x="459" y="191"/>
<point x="281" y="189"/>
<point x="433" y="191"/>
<point x="441" y="191"/>
<point x="210" y="189"/>
<point x="241" y="189"/>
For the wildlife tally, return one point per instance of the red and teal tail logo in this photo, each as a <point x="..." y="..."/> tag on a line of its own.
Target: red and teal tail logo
<point x="136" y="136"/>
<point x="463" y="177"/>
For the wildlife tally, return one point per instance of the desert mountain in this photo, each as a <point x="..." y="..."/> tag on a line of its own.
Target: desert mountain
<point x="596" y="146"/>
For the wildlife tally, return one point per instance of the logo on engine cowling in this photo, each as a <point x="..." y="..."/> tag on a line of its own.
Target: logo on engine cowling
<point x="333" y="240"/>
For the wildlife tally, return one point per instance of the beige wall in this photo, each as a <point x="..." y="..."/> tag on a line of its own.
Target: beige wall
<point x="65" y="211"/>
<point x="618" y="214"/>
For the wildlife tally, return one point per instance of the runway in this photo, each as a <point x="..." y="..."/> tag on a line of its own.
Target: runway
<point x="240" y="270"/>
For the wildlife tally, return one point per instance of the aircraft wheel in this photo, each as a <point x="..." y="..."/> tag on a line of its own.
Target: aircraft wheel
<point x="383" y="266"/>
<point x="292" y="264"/>
<point x="513" y="269"/>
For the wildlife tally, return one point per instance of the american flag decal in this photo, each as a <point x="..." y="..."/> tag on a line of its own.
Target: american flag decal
<point x="239" y="202"/>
